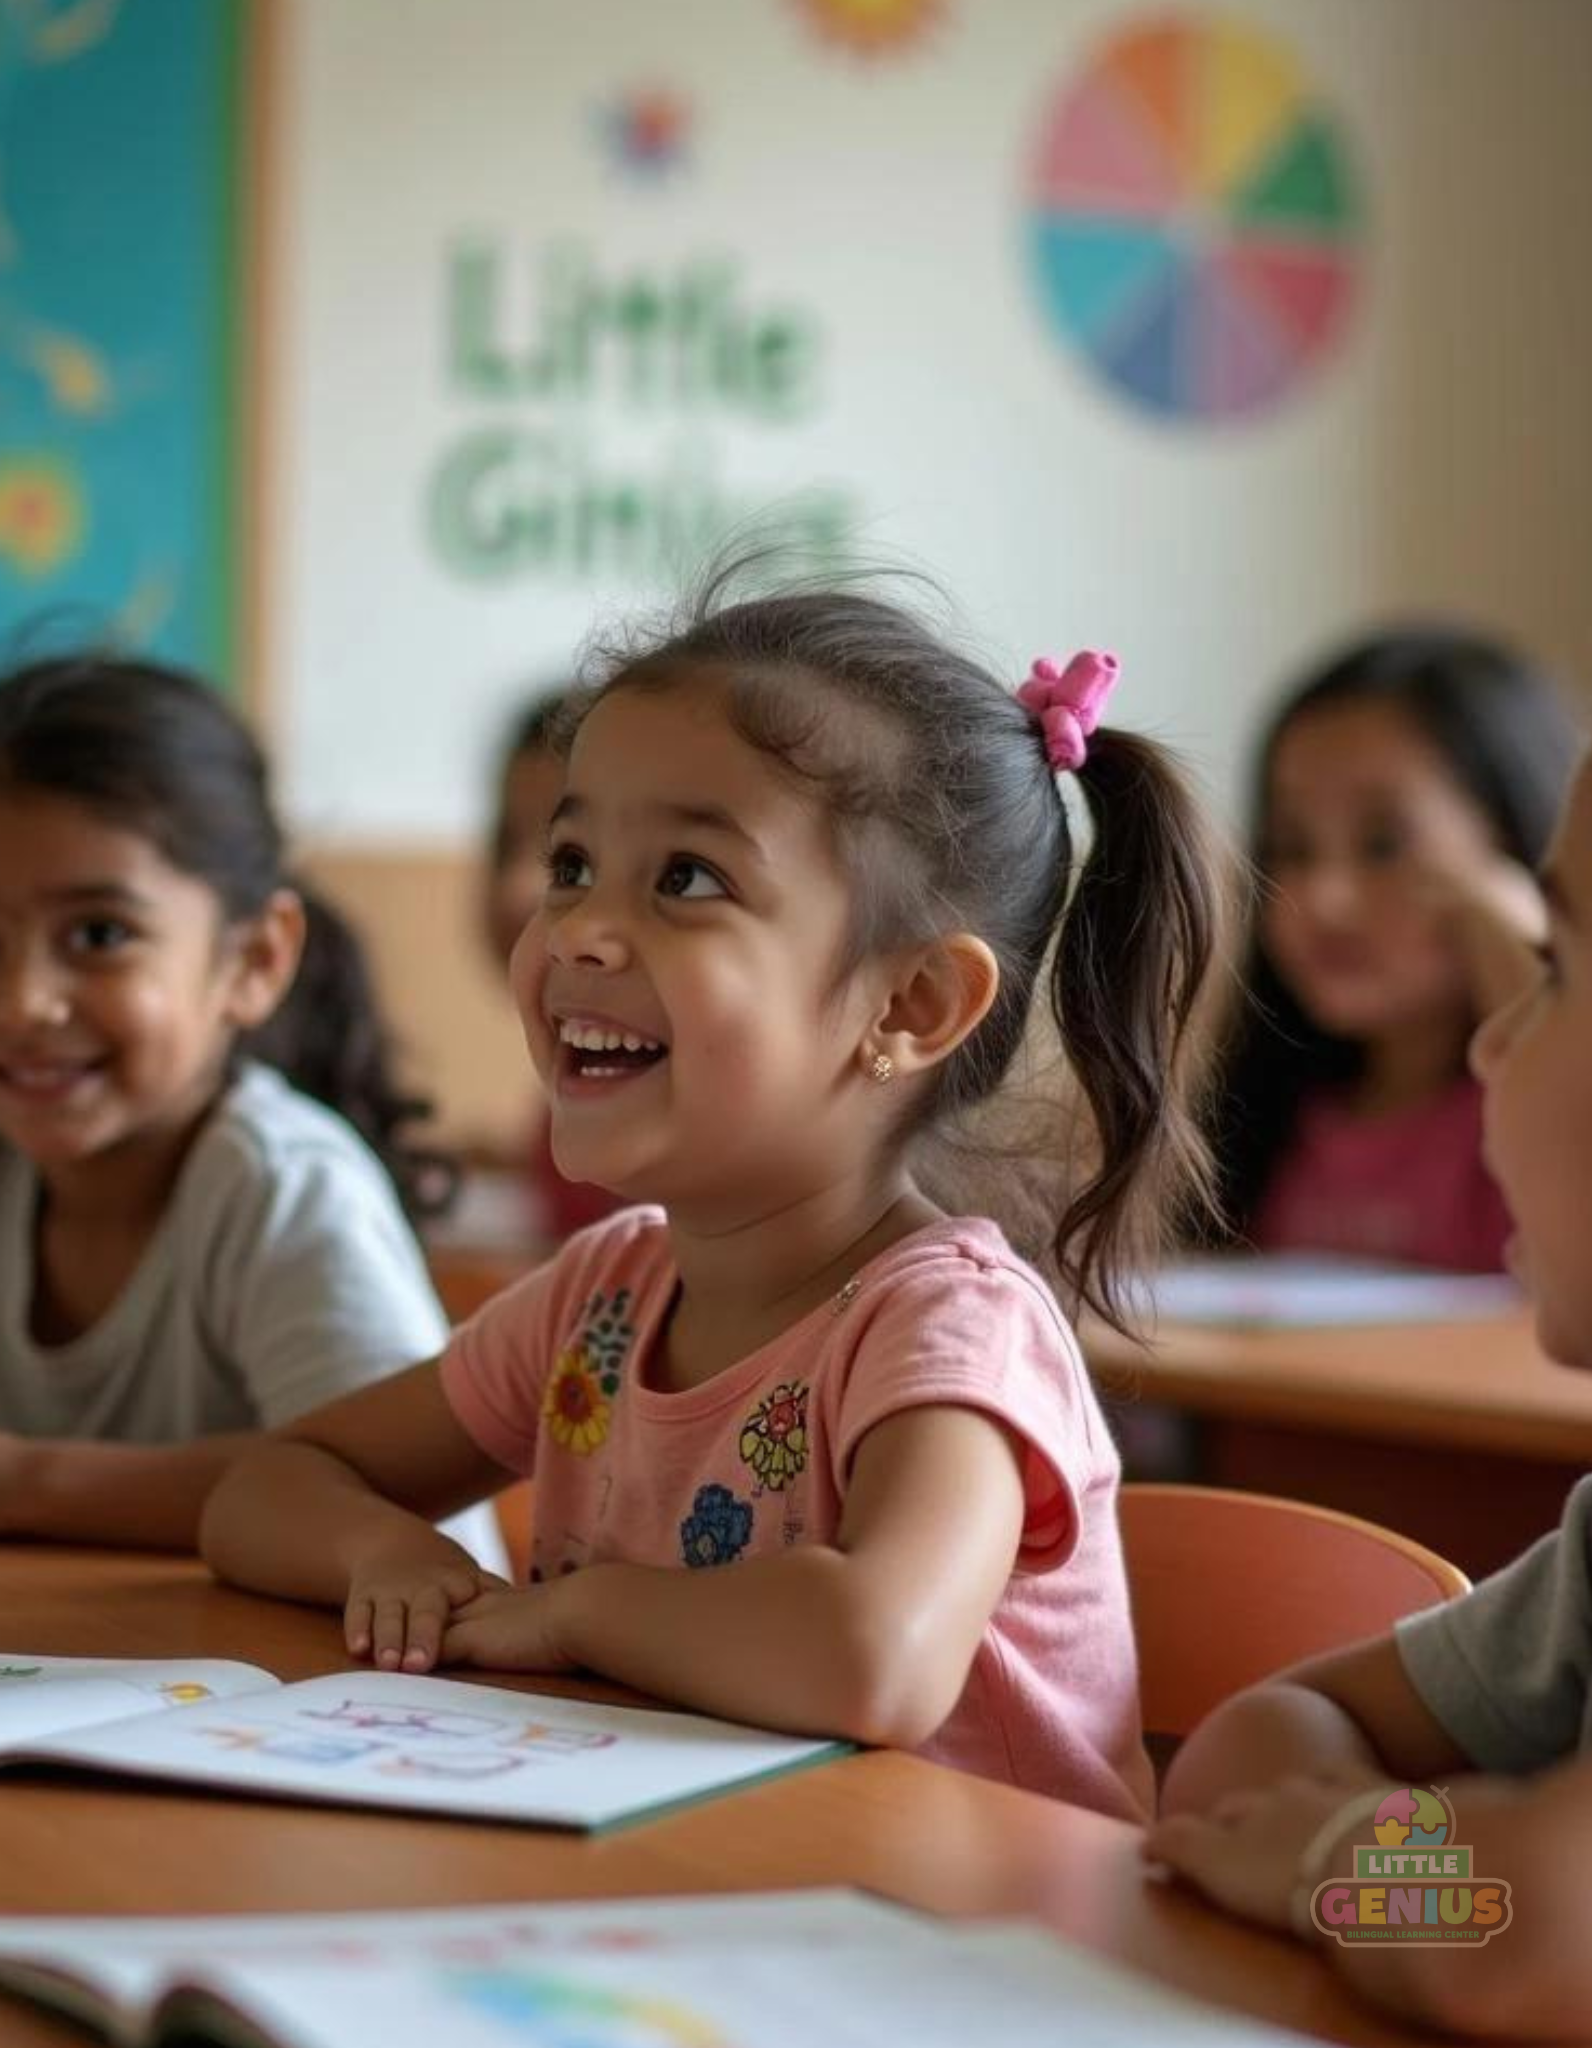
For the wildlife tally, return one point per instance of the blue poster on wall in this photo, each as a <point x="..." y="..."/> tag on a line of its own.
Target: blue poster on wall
<point x="118" y="184"/>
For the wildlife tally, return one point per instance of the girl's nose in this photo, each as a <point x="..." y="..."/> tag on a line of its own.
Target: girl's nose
<point x="587" y="934"/>
<point x="31" y="991"/>
<point x="1328" y="890"/>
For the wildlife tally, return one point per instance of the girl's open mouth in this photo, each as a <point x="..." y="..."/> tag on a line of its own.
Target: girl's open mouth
<point x="601" y="1052"/>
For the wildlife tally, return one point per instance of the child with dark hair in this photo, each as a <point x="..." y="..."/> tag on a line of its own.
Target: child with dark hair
<point x="191" y="1247"/>
<point x="530" y="780"/>
<point x="807" y="1450"/>
<point x="1404" y="795"/>
<point x="1488" y="1697"/>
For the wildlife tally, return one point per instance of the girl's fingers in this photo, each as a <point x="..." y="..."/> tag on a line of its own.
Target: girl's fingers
<point x="356" y="1627"/>
<point x="428" y="1617"/>
<point x="403" y="1631"/>
<point x="389" y="1632"/>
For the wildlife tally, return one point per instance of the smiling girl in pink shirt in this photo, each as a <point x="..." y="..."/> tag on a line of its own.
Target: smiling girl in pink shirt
<point x="807" y="1451"/>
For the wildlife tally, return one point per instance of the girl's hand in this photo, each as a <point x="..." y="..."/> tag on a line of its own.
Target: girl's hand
<point x="1244" y="1854"/>
<point x="1498" y="920"/>
<point x="512" y="1629"/>
<point x="401" y="1595"/>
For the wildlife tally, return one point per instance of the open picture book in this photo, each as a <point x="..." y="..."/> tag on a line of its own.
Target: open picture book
<point x="749" y="1970"/>
<point x="376" y="1738"/>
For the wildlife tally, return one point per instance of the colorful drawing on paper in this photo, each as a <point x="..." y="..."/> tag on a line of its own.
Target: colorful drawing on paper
<point x="872" y="27"/>
<point x="408" y="1740"/>
<point x="1194" y="220"/>
<point x="562" y="2012"/>
<point x="116" y="354"/>
<point x="647" y="132"/>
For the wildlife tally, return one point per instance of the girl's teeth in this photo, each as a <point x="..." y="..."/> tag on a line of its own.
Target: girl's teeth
<point x="590" y="1038"/>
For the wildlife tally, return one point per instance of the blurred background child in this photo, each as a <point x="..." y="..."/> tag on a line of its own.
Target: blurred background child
<point x="205" y="1181"/>
<point x="1402" y="797"/>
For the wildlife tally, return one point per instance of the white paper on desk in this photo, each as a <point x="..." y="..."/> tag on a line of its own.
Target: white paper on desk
<point x="753" y="1971"/>
<point x="1107" y="2006"/>
<point x="108" y="1970"/>
<point x="1300" y="1291"/>
<point x="422" y="1744"/>
<point x="944" y="1994"/>
<point x="47" y="1695"/>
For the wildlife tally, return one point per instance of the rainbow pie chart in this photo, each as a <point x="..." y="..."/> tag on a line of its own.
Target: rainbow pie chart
<point x="1193" y="219"/>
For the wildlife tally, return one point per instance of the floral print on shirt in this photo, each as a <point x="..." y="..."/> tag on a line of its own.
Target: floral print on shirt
<point x="774" y="1437"/>
<point x="718" y="1528"/>
<point x="577" y="1405"/>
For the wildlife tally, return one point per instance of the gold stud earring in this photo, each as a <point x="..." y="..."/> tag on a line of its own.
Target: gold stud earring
<point x="882" y="1067"/>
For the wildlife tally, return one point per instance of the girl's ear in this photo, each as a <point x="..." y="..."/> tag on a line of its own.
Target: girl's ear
<point x="265" y="952"/>
<point x="940" y="994"/>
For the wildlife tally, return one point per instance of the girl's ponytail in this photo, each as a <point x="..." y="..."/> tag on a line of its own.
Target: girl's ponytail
<point x="327" y="1037"/>
<point x="1130" y="965"/>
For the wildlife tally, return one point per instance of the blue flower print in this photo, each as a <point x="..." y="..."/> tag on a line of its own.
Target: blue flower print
<point x="718" y="1528"/>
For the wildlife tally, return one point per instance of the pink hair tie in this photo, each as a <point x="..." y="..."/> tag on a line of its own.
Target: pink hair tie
<point x="1068" y="703"/>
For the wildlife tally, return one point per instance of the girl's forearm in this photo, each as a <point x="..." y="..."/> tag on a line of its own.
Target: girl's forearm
<point x="148" y="1496"/>
<point x="289" y="1519"/>
<point x="1258" y="1737"/>
<point x="794" y="1642"/>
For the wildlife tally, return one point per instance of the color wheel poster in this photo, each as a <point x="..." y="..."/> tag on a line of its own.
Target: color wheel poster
<point x="1195" y="219"/>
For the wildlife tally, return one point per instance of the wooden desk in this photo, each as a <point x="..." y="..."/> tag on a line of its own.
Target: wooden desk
<point x="931" y="1837"/>
<point x="1463" y="1435"/>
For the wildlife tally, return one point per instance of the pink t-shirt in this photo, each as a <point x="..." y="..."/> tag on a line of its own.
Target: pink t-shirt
<point x="1410" y="1186"/>
<point x="550" y="1376"/>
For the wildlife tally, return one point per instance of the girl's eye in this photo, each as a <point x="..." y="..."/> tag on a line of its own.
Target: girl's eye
<point x="1383" y="848"/>
<point x="684" y="876"/>
<point x="93" y="935"/>
<point x="568" y="868"/>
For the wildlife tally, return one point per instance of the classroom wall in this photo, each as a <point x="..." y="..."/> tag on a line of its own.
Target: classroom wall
<point x="428" y="169"/>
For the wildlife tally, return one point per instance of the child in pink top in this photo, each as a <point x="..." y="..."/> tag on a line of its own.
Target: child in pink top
<point x="758" y="1458"/>
<point x="1405" y="794"/>
<point x="1409" y="1185"/>
<point x="807" y="1452"/>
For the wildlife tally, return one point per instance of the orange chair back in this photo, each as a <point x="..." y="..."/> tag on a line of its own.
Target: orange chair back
<point x="1228" y="1588"/>
<point x="466" y="1280"/>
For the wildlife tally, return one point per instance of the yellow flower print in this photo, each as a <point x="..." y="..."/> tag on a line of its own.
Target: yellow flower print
<point x="574" y="1407"/>
<point x="578" y="1406"/>
<point x="41" y="515"/>
<point x="774" y="1436"/>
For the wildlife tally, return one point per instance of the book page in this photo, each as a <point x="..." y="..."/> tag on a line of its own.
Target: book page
<point x="42" y="1696"/>
<point x="372" y="1738"/>
<point x="943" y="1989"/>
<point x="1296" y="1290"/>
<point x="124" y="1964"/>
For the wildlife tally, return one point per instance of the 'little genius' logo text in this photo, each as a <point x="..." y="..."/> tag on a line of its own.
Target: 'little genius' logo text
<point x="1414" y="1883"/>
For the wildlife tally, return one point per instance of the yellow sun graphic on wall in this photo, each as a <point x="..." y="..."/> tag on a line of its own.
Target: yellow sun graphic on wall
<point x="872" y="26"/>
